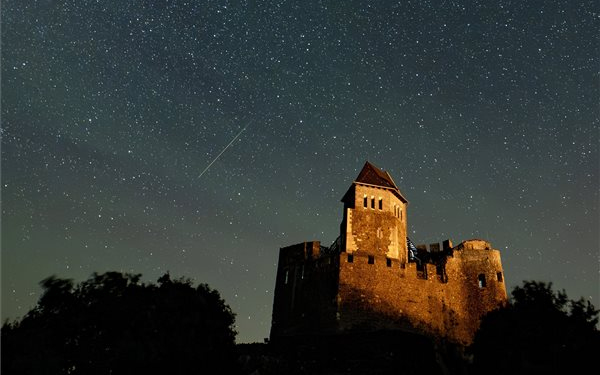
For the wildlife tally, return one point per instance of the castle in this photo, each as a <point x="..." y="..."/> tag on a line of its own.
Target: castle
<point x="374" y="278"/>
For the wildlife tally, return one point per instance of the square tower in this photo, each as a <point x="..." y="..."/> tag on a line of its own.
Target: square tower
<point x="374" y="221"/>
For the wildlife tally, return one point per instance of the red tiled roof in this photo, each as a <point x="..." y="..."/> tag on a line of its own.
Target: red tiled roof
<point x="372" y="175"/>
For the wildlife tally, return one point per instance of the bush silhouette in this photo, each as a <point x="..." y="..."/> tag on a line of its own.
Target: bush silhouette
<point x="539" y="332"/>
<point x="113" y="324"/>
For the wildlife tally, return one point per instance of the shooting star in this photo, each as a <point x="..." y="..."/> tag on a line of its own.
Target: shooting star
<point x="222" y="151"/>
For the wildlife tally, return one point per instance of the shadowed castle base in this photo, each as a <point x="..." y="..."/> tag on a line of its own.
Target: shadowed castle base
<point x="373" y="279"/>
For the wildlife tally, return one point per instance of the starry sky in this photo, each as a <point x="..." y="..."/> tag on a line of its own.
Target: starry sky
<point x="484" y="112"/>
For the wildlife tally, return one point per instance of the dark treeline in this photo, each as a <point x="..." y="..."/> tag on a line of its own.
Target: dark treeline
<point x="539" y="332"/>
<point x="114" y="324"/>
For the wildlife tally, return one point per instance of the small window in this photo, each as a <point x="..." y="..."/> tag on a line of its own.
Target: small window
<point x="302" y="273"/>
<point x="499" y="276"/>
<point x="402" y="265"/>
<point x="481" y="280"/>
<point x="350" y="258"/>
<point x="388" y="262"/>
<point x="373" y="202"/>
<point x="365" y="201"/>
<point x="287" y="274"/>
<point x="421" y="271"/>
<point x="400" y="213"/>
<point x="371" y="259"/>
<point x="380" y="204"/>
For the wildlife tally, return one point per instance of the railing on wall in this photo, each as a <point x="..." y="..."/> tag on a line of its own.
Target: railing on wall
<point x="412" y="251"/>
<point x="334" y="248"/>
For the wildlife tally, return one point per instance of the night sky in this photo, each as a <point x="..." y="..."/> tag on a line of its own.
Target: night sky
<point x="484" y="112"/>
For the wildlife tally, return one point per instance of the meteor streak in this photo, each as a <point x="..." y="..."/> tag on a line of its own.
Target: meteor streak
<point x="222" y="151"/>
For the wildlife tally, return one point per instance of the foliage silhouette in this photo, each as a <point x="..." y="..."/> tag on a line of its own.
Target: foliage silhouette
<point x="539" y="332"/>
<point x="114" y="324"/>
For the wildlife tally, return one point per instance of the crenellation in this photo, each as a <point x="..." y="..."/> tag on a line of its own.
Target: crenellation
<point x="367" y="280"/>
<point x="447" y="245"/>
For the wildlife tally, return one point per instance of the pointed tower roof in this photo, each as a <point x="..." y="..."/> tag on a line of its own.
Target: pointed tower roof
<point x="371" y="175"/>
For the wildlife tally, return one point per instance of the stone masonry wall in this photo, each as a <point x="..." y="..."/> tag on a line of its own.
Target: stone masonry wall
<point x="373" y="230"/>
<point x="305" y="291"/>
<point x="385" y="295"/>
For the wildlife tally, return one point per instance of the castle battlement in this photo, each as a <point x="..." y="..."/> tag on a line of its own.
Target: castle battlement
<point x="373" y="278"/>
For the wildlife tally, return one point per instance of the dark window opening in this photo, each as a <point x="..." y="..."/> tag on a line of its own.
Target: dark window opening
<point x="439" y="269"/>
<point x="350" y="258"/>
<point x="371" y="259"/>
<point x="421" y="271"/>
<point x="380" y="204"/>
<point x="402" y="265"/>
<point x="499" y="276"/>
<point x="372" y="202"/>
<point x="400" y="214"/>
<point x="481" y="281"/>
<point x="365" y="203"/>
<point x="388" y="262"/>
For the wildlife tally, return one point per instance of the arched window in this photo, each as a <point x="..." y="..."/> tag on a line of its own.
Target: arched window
<point x="365" y="201"/>
<point x="380" y="203"/>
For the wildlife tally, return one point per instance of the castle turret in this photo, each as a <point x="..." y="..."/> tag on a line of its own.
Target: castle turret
<point x="374" y="221"/>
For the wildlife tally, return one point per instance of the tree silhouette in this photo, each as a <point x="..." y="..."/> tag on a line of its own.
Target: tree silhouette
<point x="539" y="332"/>
<point x="113" y="324"/>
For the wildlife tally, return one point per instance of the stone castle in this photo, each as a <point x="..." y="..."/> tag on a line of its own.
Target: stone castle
<point x="374" y="278"/>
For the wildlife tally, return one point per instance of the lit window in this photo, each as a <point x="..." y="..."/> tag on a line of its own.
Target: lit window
<point x="481" y="280"/>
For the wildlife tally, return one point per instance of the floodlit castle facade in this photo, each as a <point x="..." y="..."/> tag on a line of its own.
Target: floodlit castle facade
<point x="373" y="277"/>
